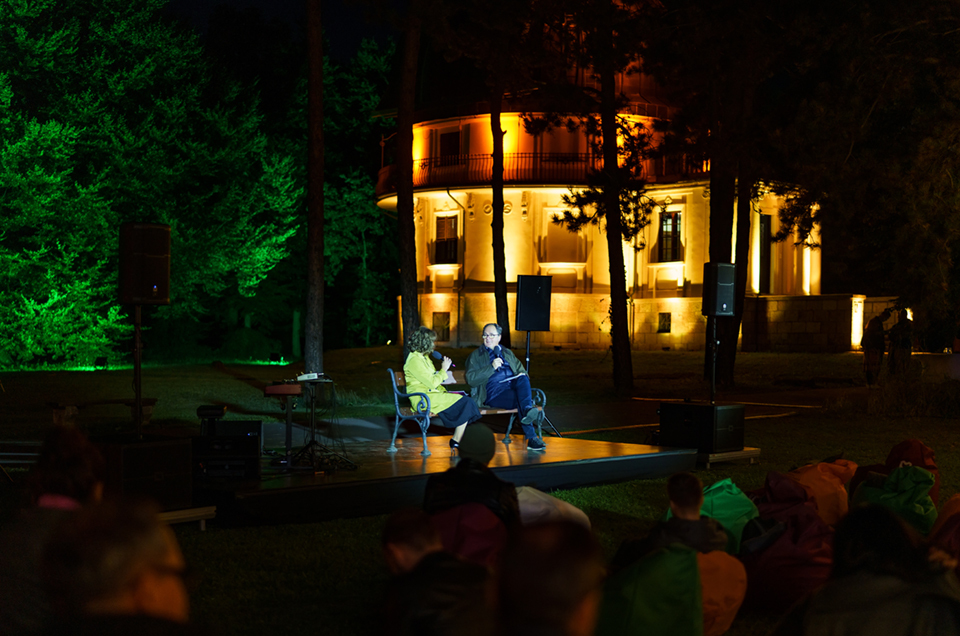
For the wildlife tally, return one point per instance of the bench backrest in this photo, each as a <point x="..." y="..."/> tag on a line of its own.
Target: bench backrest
<point x="460" y="377"/>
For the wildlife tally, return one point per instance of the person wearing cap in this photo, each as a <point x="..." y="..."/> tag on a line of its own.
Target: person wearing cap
<point x="498" y="379"/>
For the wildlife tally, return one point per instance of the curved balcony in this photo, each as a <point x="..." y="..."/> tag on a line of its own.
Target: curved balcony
<point x="524" y="168"/>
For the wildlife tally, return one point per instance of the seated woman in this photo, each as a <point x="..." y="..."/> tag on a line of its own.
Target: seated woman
<point x="455" y="411"/>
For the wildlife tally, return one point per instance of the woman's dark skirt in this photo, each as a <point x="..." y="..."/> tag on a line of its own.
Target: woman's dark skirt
<point x="463" y="410"/>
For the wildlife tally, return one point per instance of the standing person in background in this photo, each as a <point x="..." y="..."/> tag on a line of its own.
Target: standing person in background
<point x="497" y="378"/>
<point x="455" y="411"/>
<point x="901" y="344"/>
<point x="873" y="345"/>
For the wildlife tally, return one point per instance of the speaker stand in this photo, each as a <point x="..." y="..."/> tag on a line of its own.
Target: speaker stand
<point x="714" y="344"/>
<point x="528" y="352"/>
<point x="137" y="380"/>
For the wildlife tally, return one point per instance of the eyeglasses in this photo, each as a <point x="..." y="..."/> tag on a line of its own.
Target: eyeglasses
<point x="490" y="335"/>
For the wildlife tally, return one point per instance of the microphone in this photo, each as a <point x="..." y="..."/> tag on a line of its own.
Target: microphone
<point x="498" y="351"/>
<point x="436" y="355"/>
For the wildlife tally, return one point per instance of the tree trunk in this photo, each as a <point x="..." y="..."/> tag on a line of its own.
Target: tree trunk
<point x="410" y="313"/>
<point x="619" y="333"/>
<point x="727" y="356"/>
<point x="313" y="354"/>
<point x="496" y="183"/>
<point x="722" y="195"/>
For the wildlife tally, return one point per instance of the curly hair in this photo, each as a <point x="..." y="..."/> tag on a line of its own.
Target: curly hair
<point x="422" y="340"/>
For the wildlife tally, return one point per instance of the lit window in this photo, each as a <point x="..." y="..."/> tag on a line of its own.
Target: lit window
<point x="446" y="245"/>
<point x="669" y="248"/>
<point x="441" y="324"/>
<point x="664" y="324"/>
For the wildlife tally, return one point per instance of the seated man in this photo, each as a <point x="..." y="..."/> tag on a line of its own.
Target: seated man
<point x="433" y="591"/>
<point x="686" y="526"/>
<point x="116" y="568"/>
<point x="498" y="379"/>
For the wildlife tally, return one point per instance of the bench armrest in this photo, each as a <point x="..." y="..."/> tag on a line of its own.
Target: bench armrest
<point x="425" y="401"/>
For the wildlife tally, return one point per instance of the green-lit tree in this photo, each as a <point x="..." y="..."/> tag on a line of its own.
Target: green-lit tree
<point x="110" y="115"/>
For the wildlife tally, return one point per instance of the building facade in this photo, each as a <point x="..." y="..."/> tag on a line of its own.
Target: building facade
<point x="664" y="265"/>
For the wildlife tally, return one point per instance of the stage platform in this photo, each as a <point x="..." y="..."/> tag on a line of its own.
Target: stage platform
<point x="384" y="482"/>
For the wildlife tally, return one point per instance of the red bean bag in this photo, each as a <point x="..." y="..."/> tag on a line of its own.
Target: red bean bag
<point x="473" y="532"/>
<point x="797" y="563"/>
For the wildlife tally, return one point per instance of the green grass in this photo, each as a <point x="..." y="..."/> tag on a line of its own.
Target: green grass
<point x="329" y="577"/>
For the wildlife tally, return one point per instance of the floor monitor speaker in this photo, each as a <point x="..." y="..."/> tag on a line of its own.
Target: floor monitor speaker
<point x="710" y="428"/>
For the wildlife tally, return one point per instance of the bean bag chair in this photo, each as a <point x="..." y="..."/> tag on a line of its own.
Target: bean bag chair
<point x="797" y="562"/>
<point x="913" y="452"/>
<point x="537" y="506"/>
<point x="473" y="532"/>
<point x="906" y="492"/>
<point x="723" y="585"/>
<point x="658" y="595"/>
<point x="950" y="509"/>
<point x="782" y="498"/>
<point x="946" y="531"/>
<point x="825" y="484"/>
<point x="726" y="503"/>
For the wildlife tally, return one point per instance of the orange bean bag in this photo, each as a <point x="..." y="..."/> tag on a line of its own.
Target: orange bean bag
<point x="723" y="585"/>
<point x="825" y="482"/>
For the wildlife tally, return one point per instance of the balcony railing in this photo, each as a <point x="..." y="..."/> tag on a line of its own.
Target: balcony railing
<point x="563" y="169"/>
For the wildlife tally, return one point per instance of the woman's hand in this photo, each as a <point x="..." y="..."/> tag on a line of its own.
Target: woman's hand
<point x="446" y="364"/>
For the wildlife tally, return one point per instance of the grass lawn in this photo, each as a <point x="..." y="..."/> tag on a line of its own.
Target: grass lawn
<point x="328" y="577"/>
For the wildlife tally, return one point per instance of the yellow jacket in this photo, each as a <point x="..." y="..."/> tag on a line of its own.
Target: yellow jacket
<point x="423" y="377"/>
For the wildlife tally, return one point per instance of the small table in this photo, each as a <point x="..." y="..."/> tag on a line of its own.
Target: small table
<point x="747" y="453"/>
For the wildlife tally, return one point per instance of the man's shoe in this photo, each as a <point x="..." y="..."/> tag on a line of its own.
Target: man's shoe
<point x="536" y="444"/>
<point x="531" y="416"/>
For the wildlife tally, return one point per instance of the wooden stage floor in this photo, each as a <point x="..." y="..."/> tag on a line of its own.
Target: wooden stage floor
<point x="384" y="482"/>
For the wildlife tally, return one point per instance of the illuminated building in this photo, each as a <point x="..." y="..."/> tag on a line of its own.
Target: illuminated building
<point x="452" y="166"/>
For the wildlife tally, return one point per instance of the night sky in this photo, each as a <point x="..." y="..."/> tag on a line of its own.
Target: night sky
<point x="345" y="22"/>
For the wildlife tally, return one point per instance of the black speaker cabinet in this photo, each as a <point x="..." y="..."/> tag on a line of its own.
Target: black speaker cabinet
<point x="233" y="428"/>
<point x="144" y="264"/>
<point x="226" y="456"/>
<point x="157" y="467"/>
<point x="718" y="284"/>
<point x="710" y="428"/>
<point x="533" y="303"/>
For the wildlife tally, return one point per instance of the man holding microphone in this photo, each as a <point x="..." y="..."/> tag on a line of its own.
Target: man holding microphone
<point x="498" y="379"/>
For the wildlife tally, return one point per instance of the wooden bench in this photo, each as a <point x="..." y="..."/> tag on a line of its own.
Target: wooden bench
<point x="422" y="414"/>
